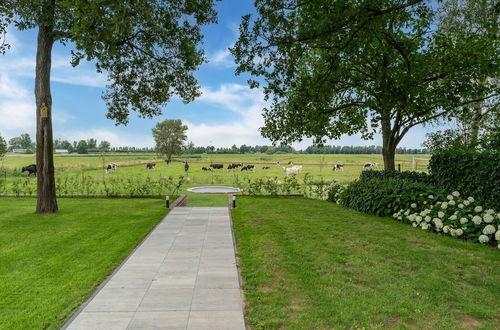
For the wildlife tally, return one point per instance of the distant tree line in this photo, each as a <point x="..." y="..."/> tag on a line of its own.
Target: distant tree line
<point x="359" y="150"/>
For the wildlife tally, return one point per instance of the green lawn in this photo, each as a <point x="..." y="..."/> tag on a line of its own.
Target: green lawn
<point x="309" y="264"/>
<point x="50" y="264"/>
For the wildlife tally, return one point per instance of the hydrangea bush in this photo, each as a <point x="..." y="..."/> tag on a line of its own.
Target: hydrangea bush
<point x="454" y="216"/>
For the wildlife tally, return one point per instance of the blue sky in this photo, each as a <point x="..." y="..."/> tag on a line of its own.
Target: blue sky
<point x="227" y="113"/>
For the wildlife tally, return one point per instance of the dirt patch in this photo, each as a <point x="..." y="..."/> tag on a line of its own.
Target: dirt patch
<point x="469" y="322"/>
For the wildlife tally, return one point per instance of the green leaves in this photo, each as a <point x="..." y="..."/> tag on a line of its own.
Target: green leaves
<point x="149" y="49"/>
<point x="472" y="174"/>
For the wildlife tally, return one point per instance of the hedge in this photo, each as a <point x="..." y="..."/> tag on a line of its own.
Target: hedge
<point x="471" y="173"/>
<point x="412" y="176"/>
<point x="384" y="197"/>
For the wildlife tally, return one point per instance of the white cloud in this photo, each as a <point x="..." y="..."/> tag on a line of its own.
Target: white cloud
<point x="222" y="58"/>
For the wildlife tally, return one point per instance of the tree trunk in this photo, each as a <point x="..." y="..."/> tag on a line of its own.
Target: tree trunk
<point x="388" y="146"/>
<point x="476" y="123"/>
<point x="46" y="197"/>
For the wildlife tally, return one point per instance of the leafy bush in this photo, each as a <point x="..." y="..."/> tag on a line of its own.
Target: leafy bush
<point x="83" y="185"/>
<point x="471" y="173"/>
<point x="389" y="174"/>
<point x="384" y="197"/>
<point x="454" y="216"/>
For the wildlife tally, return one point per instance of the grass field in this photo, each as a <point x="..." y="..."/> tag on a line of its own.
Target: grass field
<point x="309" y="264"/>
<point x="50" y="264"/>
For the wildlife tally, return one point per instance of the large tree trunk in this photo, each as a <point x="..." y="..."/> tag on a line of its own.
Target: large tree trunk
<point x="46" y="197"/>
<point x="388" y="145"/>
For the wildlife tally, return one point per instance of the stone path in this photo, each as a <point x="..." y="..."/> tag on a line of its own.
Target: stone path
<point x="183" y="276"/>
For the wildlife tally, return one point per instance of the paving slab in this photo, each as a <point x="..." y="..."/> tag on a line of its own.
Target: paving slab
<point x="183" y="276"/>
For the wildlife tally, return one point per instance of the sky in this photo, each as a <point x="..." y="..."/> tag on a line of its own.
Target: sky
<point x="228" y="111"/>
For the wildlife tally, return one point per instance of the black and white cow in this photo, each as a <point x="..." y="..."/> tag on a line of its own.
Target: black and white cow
<point x="370" y="165"/>
<point x="150" y="166"/>
<point x="206" y="168"/>
<point x="31" y="169"/>
<point x="111" y="167"/>
<point x="266" y="167"/>
<point x="338" y="167"/>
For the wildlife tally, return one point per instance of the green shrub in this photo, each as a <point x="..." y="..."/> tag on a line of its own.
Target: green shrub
<point x="471" y="173"/>
<point x="384" y="197"/>
<point x="388" y="174"/>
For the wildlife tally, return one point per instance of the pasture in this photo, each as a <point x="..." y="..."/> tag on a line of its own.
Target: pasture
<point x="86" y="174"/>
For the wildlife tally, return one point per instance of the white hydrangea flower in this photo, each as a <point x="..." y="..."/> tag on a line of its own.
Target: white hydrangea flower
<point x="453" y="217"/>
<point x="444" y="205"/>
<point x="424" y="225"/>
<point x="395" y="215"/>
<point x="497" y="235"/>
<point x="489" y="229"/>
<point x="438" y="223"/>
<point x="440" y="214"/>
<point x="484" y="239"/>
<point x="418" y="218"/>
<point x="451" y="203"/>
<point x="477" y="220"/>
<point x="411" y="217"/>
<point x="490" y="211"/>
<point x="471" y="199"/>
<point x="488" y="218"/>
<point x="430" y="197"/>
<point x="425" y="202"/>
<point x="498" y="246"/>
<point x="460" y="206"/>
<point x="413" y="205"/>
<point x="407" y="212"/>
<point x="446" y="229"/>
<point x="466" y="202"/>
<point x="400" y="218"/>
<point x="459" y="232"/>
<point x="478" y="209"/>
<point x="463" y="221"/>
<point x="453" y="232"/>
<point x="423" y="213"/>
<point x="414" y="224"/>
<point x="427" y="219"/>
<point x="455" y="193"/>
<point x="449" y="197"/>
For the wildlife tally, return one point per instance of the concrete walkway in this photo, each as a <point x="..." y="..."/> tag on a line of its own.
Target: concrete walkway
<point x="183" y="276"/>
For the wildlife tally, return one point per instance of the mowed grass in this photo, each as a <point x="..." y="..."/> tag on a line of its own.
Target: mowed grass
<point x="309" y="264"/>
<point x="50" y="264"/>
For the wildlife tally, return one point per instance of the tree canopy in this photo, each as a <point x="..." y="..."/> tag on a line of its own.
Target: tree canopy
<point x="170" y="136"/>
<point x="330" y="68"/>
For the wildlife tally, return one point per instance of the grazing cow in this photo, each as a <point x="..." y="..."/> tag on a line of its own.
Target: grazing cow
<point x="265" y="167"/>
<point x="31" y="169"/>
<point x="186" y="166"/>
<point x="338" y="167"/>
<point x="150" y="166"/>
<point x="206" y="168"/>
<point x="370" y="165"/>
<point x="291" y="170"/>
<point x="217" y="166"/>
<point x="233" y="166"/>
<point x="111" y="167"/>
<point x="290" y="163"/>
<point x="248" y="167"/>
<point x="168" y="161"/>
